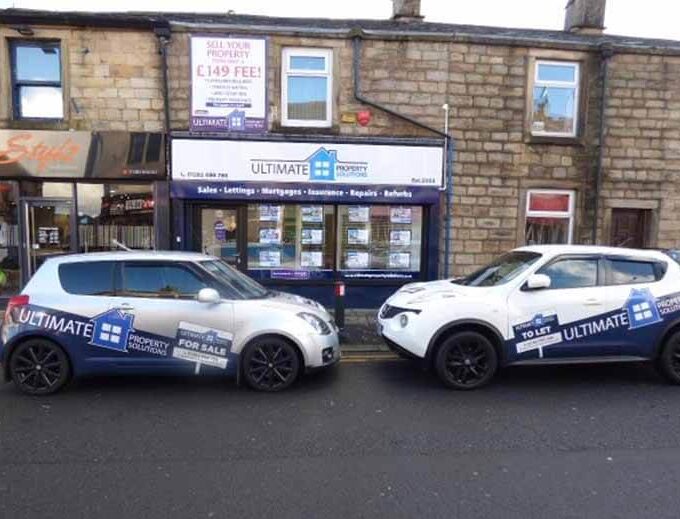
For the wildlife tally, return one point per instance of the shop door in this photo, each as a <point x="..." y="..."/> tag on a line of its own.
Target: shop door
<point x="49" y="230"/>
<point x="630" y="227"/>
<point x="223" y="233"/>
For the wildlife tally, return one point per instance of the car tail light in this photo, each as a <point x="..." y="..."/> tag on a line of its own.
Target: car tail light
<point x="15" y="302"/>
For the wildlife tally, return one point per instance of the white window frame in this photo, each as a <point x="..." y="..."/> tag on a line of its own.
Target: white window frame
<point x="576" y="85"/>
<point x="286" y="71"/>
<point x="569" y="214"/>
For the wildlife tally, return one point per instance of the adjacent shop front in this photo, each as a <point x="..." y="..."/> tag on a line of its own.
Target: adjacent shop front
<point x="70" y="191"/>
<point x="301" y="215"/>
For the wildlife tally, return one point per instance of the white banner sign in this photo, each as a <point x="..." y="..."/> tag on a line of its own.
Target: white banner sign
<point x="228" y="84"/>
<point x="249" y="161"/>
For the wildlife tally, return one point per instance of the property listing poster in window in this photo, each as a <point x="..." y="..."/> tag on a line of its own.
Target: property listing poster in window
<point x="400" y="238"/>
<point x="357" y="236"/>
<point x="312" y="236"/>
<point x="270" y="236"/>
<point x="270" y="258"/>
<point x="311" y="259"/>
<point x="400" y="215"/>
<point x="270" y="213"/>
<point x="358" y="214"/>
<point x="400" y="260"/>
<point x="312" y="213"/>
<point x="357" y="260"/>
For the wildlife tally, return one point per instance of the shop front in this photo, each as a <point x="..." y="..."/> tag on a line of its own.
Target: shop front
<point x="67" y="191"/>
<point x="301" y="215"/>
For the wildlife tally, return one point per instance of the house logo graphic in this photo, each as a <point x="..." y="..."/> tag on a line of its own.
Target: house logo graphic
<point x="111" y="330"/>
<point x="642" y="309"/>
<point x="538" y="321"/>
<point x="322" y="165"/>
<point x="236" y="120"/>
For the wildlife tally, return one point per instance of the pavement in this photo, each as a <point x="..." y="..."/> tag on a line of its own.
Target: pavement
<point x="368" y="439"/>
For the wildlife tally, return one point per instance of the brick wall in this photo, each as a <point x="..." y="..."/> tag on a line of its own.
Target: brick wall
<point x="111" y="78"/>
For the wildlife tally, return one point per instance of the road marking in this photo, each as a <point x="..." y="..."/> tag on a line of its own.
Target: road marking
<point x="358" y="358"/>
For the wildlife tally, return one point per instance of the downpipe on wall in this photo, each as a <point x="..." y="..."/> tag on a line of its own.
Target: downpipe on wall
<point x="606" y="54"/>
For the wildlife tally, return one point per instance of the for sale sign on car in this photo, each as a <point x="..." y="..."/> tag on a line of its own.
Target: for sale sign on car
<point x="228" y="84"/>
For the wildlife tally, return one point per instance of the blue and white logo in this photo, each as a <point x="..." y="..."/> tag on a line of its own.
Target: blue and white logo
<point x="236" y="120"/>
<point x="111" y="330"/>
<point x="642" y="309"/>
<point x="322" y="165"/>
<point x="538" y="321"/>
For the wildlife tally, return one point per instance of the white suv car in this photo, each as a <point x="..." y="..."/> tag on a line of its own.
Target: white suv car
<point x="153" y="312"/>
<point x="541" y="305"/>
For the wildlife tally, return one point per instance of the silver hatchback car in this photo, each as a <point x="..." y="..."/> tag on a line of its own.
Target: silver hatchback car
<point x="159" y="312"/>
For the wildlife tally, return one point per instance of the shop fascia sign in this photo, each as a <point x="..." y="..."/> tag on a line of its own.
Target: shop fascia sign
<point x="271" y="162"/>
<point x="74" y="154"/>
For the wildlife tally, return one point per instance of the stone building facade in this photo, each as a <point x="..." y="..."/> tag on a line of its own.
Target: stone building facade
<point x="625" y="192"/>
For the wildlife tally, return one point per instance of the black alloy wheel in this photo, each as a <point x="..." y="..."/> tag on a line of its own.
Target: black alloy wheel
<point x="466" y="360"/>
<point x="39" y="367"/>
<point x="270" y="364"/>
<point x="669" y="360"/>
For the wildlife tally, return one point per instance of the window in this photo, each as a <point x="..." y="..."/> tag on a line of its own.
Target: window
<point x="624" y="272"/>
<point x="36" y="80"/>
<point x="555" y="99"/>
<point x="502" y="270"/>
<point x="549" y="217"/>
<point x="159" y="280"/>
<point x="93" y="278"/>
<point x="10" y="271"/>
<point x="306" y="87"/>
<point x="379" y="237"/>
<point x="572" y="273"/>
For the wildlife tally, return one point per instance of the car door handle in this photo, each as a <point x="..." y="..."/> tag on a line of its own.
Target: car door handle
<point x="592" y="302"/>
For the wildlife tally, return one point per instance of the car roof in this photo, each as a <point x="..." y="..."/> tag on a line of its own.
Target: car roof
<point x="132" y="256"/>
<point x="556" y="250"/>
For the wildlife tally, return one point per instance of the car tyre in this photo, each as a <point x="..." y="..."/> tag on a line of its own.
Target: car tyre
<point x="669" y="360"/>
<point x="39" y="367"/>
<point x="270" y="364"/>
<point x="466" y="360"/>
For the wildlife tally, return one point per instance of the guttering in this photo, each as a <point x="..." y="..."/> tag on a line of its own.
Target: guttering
<point x="606" y="53"/>
<point x="448" y="142"/>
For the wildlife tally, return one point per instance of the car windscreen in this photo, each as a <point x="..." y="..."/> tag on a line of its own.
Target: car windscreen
<point x="244" y="286"/>
<point x="504" y="269"/>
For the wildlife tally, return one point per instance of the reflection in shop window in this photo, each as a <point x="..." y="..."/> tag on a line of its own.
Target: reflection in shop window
<point x="10" y="277"/>
<point x="121" y="212"/>
<point x="295" y="237"/>
<point x="549" y="218"/>
<point x="379" y="237"/>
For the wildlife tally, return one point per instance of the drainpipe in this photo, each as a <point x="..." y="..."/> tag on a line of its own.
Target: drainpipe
<point x="606" y="54"/>
<point x="448" y="142"/>
<point x="164" y="37"/>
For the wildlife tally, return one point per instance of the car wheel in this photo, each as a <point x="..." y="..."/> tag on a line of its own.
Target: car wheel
<point x="270" y="364"/>
<point x="669" y="360"/>
<point x="466" y="360"/>
<point x="39" y="367"/>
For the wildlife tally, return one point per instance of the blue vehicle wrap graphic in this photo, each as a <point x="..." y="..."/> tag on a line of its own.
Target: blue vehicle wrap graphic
<point x="110" y="336"/>
<point x="640" y="321"/>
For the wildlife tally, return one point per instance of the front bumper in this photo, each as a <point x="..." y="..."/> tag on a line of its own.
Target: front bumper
<point x="322" y="350"/>
<point x="409" y="341"/>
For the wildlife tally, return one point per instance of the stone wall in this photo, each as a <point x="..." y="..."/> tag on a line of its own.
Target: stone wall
<point x="111" y="79"/>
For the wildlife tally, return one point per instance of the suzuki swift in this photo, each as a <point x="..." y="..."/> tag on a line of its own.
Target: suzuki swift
<point x="541" y="305"/>
<point x="153" y="312"/>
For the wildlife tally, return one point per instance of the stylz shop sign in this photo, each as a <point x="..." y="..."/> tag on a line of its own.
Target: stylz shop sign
<point x="271" y="162"/>
<point x="322" y="166"/>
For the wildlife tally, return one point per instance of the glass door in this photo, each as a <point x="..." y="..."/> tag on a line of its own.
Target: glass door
<point x="223" y="233"/>
<point x="49" y="230"/>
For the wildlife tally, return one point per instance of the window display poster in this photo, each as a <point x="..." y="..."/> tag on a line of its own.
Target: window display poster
<point x="311" y="259"/>
<point x="357" y="260"/>
<point x="270" y="236"/>
<point x="400" y="215"/>
<point x="48" y="235"/>
<point x="400" y="260"/>
<point x="270" y="213"/>
<point x="228" y="84"/>
<point x="312" y="236"/>
<point x="220" y="231"/>
<point x="270" y="258"/>
<point x="358" y="213"/>
<point x="312" y="213"/>
<point x="400" y="238"/>
<point x="357" y="236"/>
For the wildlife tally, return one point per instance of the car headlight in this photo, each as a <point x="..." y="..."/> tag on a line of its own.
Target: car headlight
<point x="315" y="322"/>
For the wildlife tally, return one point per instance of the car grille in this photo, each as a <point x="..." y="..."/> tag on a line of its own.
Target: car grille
<point x="387" y="311"/>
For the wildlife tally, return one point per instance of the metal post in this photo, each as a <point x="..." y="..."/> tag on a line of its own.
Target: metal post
<point x="340" y="304"/>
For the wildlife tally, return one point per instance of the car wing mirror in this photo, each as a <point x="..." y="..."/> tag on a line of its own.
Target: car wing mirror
<point x="538" y="282"/>
<point x="209" y="296"/>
